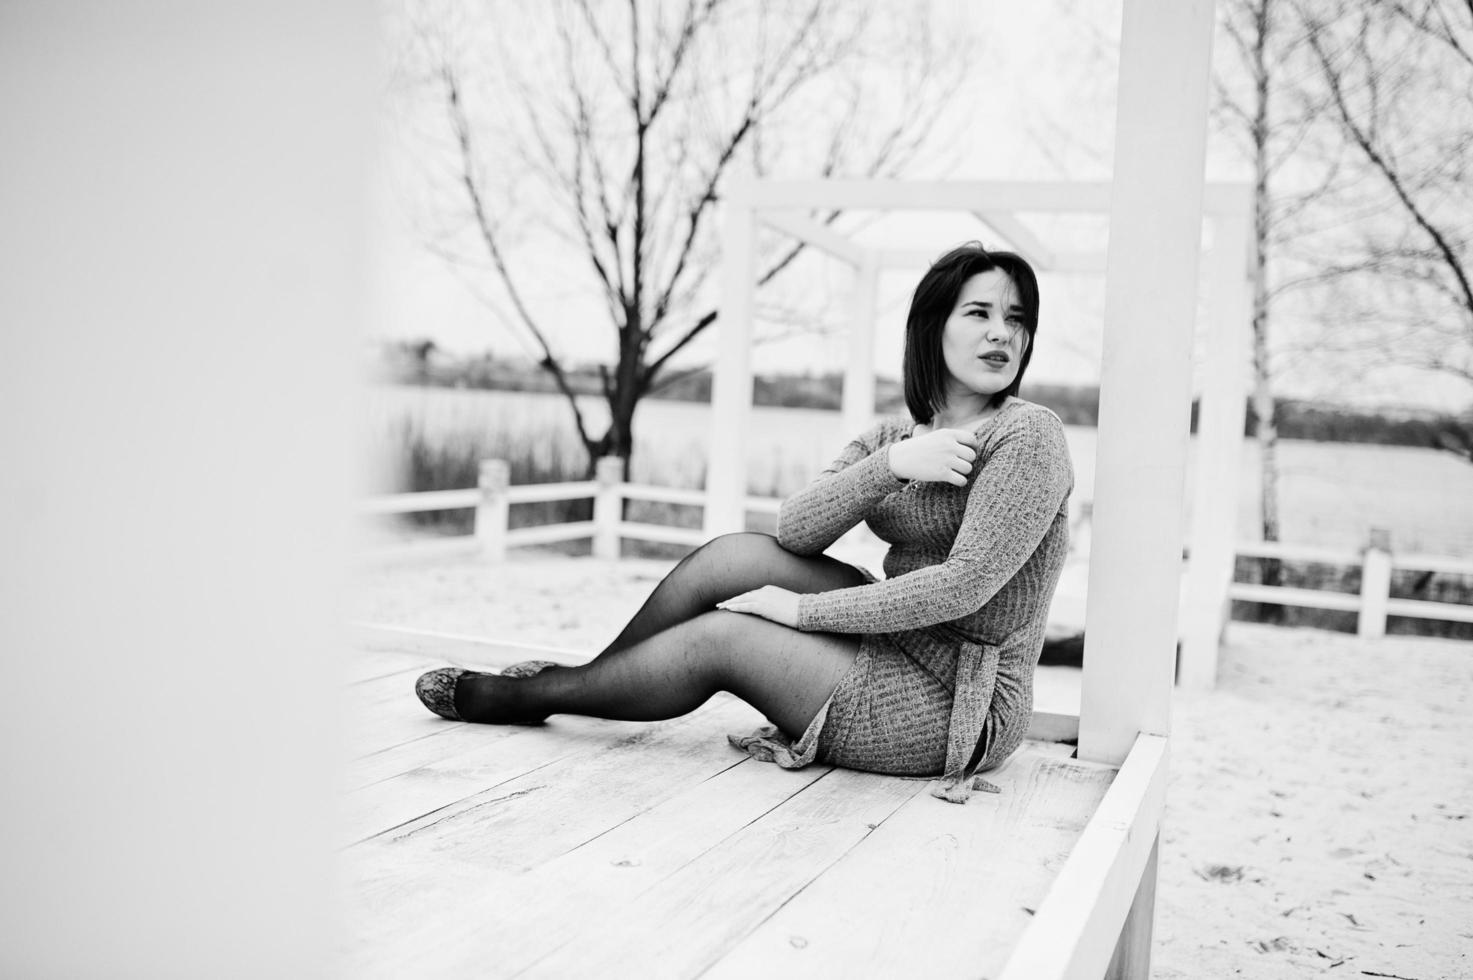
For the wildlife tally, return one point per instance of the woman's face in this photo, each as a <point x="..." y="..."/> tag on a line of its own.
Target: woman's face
<point x="984" y="338"/>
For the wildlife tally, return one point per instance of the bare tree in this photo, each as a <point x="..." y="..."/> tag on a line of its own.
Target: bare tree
<point x="1398" y="81"/>
<point x="612" y="129"/>
<point x="1261" y="104"/>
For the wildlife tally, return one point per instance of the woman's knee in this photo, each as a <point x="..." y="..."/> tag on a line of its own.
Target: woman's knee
<point x="735" y="555"/>
<point x="739" y="545"/>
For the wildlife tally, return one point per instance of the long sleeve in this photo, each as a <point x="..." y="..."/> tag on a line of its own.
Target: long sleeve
<point x="838" y="498"/>
<point x="1021" y="485"/>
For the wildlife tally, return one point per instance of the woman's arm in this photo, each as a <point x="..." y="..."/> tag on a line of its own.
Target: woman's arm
<point x="1019" y="491"/>
<point x="838" y="498"/>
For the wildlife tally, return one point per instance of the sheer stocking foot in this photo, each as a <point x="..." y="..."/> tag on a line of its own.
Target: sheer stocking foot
<point x="493" y="700"/>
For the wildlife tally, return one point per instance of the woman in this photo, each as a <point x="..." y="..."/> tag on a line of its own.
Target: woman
<point x="927" y="672"/>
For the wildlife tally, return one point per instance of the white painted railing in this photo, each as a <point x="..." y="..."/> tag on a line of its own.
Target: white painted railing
<point x="493" y="496"/>
<point x="1374" y="602"/>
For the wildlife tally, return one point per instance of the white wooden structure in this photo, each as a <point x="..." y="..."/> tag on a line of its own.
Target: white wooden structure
<point x="567" y="854"/>
<point x="999" y="205"/>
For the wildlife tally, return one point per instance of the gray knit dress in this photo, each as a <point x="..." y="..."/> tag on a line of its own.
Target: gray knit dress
<point x="943" y="683"/>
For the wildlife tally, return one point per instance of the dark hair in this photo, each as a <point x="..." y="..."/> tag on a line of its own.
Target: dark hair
<point x="935" y="297"/>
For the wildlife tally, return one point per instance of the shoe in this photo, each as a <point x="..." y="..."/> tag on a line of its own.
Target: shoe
<point x="528" y="668"/>
<point x="436" y="691"/>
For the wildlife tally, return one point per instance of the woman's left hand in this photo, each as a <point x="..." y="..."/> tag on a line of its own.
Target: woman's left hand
<point x="770" y="602"/>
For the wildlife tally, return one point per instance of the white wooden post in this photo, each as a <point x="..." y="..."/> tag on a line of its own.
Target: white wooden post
<point x="1145" y="387"/>
<point x="859" y="372"/>
<point x="1220" y="421"/>
<point x="1375" y="584"/>
<point x="493" y="511"/>
<point x="608" y="506"/>
<point x="1145" y="395"/>
<point x="731" y="380"/>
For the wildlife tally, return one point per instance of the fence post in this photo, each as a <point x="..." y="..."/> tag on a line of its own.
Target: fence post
<point x="493" y="511"/>
<point x="1375" y="584"/>
<point x="607" y="506"/>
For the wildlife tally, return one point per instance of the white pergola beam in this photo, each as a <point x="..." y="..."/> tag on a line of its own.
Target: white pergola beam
<point x="1146" y="375"/>
<point x="1019" y="235"/>
<point x="907" y="258"/>
<point x="959" y="195"/>
<point x="815" y="233"/>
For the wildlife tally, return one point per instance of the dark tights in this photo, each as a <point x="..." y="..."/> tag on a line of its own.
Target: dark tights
<point x="678" y="650"/>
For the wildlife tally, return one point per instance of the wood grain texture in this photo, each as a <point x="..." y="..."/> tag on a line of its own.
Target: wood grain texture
<point x="935" y="890"/>
<point x="622" y="849"/>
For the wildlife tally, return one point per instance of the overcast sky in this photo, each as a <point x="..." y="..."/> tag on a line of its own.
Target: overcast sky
<point x="1040" y="106"/>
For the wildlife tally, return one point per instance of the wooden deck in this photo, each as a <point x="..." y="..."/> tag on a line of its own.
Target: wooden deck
<point x="587" y="847"/>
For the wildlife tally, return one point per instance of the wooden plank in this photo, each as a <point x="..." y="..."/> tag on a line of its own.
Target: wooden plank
<point x="857" y="398"/>
<point x="408" y="503"/>
<point x="1450" y="611"/>
<point x="684" y="925"/>
<point x="763" y="505"/>
<point x="365" y="665"/>
<point x="1018" y="235"/>
<point x="731" y="377"/>
<point x="400" y="882"/>
<point x="1291" y="551"/>
<point x="441" y="742"/>
<point x="1223" y="402"/>
<point x="522" y="537"/>
<point x="502" y="931"/>
<point x="458" y="649"/>
<point x="1156" y="206"/>
<point x="506" y="753"/>
<point x="533" y="493"/>
<point x="1075" y="930"/>
<point x="821" y="236"/>
<point x="1285" y="596"/>
<point x="1051" y="726"/>
<point x="669" y="495"/>
<point x="1132" y="958"/>
<point x="936" y="890"/>
<point x="1431" y="563"/>
<point x="384" y="712"/>
<point x="660" y="532"/>
<point x="923" y="195"/>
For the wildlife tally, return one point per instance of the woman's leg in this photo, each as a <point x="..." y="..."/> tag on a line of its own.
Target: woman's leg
<point x="725" y="567"/>
<point x="784" y="673"/>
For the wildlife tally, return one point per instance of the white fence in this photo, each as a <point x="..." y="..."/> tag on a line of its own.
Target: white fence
<point x="1374" y="603"/>
<point x="494" y="495"/>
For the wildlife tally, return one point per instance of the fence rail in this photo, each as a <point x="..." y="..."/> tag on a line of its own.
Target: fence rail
<point x="493" y="535"/>
<point x="494" y="494"/>
<point x="1374" y="602"/>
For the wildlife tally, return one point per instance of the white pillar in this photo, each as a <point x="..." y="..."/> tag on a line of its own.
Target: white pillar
<point x="731" y="380"/>
<point x="859" y="371"/>
<point x="1220" y="420"/>
<point x="1145" y="387"/>
<point x="181" y="277"/>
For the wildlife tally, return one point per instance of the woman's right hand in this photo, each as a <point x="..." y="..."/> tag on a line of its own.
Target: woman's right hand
<point x="939" y="456"/>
